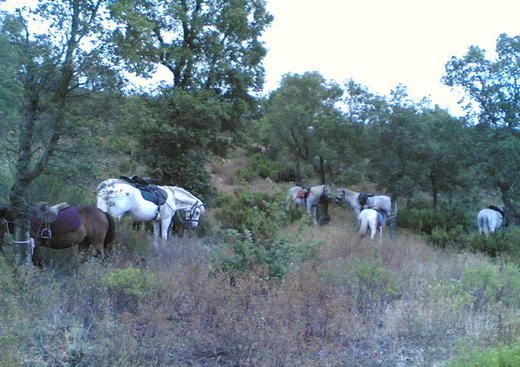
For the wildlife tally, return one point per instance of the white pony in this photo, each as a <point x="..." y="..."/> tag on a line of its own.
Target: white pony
<point x="118" y="198"/>
<point x="489" y="220"/>
<point x="307" y="197"/>
<point x="192" y="205"/>
<point x="379" y="202"/>
<point x="373" y="219"/>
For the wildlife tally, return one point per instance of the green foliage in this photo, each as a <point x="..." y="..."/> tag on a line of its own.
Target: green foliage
<point x="265" y="167"/>
<point x="239" y="255"/>
<point x="131" y="281"/>
<point x="259" y="213"/>
<point x="481" y="288"/>
<point x="246" y="174"/>
<point x="373" y="285"/>
<point x="302" y="117"/>
<point x="499" y="243"/>
<point x="222" y="50"/>
<point x="494" y="105"/>
<point x="452" y="237"/>
<point x="500" y="356"/>
<point x="427" y="220"/>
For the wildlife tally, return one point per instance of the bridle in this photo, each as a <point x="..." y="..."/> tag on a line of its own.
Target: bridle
<point x="190" y="217"/>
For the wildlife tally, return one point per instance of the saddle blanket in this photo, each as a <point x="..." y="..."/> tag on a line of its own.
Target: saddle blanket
<point x="154" y="194"/>
<point x="303" y="194"/>
<point x="68" y="220"/>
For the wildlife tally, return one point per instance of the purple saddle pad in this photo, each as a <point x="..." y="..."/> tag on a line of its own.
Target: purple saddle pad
<point x="68" y="220"/>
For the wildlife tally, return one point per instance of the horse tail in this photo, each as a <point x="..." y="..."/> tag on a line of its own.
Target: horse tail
<point x="363" y="228"/>
<point x="483" y="224"/>
<point x="111" y="229"/>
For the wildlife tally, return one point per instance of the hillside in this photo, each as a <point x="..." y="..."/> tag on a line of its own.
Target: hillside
<point x="342" y="301"/>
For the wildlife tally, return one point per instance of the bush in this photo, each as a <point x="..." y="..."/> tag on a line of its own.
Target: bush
<point x="481" y="288"/>
<point x="454" y="237"/>
<point x="246" y="174"/>
<point x="265" y="167"/>
<point x="238" y="255"/>
<point x="259" y="213"/>
<point x="497" y="243"/>
<point x="374" y="286"/>
<point x="500" y="356"/>
<point x="128" y="286"/>
<point x="426" y="220"/>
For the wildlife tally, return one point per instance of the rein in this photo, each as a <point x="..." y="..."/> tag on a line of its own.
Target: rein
<point x="191" y="212"/>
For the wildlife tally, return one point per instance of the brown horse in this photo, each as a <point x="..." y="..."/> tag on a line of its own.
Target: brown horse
<point x="92" y="227"/>
<point x="64" y="226"/>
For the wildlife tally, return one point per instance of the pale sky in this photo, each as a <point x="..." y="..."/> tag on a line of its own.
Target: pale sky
<point x="381" y="43"/>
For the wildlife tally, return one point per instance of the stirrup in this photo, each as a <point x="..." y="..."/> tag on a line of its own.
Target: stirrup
<point x="46" y="234"/>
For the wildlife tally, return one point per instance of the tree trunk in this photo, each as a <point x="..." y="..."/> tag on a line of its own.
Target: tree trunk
<point x="435" y="191"/>
<point x="22" y="239"/>
<point x="393" y="215"/>
<point x="322" y="171"/>
<point x="297" y="174"/>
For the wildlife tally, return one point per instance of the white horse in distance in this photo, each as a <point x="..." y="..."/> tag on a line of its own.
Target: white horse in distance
<point x="379" y="202"/>
<point x="489" y="220"/>
<point x="373" y="220"/>
<point x="307" y="197"/>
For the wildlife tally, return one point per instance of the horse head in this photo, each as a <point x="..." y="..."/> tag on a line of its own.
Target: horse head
<point x="192" y="216"/>
<point x="44" y="212"/>
<point x="326" y="192"/>
<point x="340" y="196"/>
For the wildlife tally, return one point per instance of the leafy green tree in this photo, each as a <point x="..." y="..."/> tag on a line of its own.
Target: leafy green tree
<point x="395" y="160"/>
<point x="300" y="113"/>
<point x="493" y="100"/>
<point x="443" y="153"/>
<point x="55" y="68"/>
<point x="213" y="52"/>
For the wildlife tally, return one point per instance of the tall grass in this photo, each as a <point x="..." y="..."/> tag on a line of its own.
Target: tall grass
<point x="353" y="303"/>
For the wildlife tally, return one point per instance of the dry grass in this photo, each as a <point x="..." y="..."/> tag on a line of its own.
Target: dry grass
<point x="326" y="312"/>
<point x="363" y="303"/>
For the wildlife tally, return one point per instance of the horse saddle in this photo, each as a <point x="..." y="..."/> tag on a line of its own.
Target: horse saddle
<point x="149" y="191"/>
<point x="497" y="209"/>
<point x="142" y="181"/>
<point x="381" y="217"/>
<point x="303" y="193"/>
<point x="363" y="198"/>
<point x="59" y="220"/>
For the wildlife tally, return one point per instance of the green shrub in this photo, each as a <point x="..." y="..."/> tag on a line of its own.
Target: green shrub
<point x="500" y="356"/>
<point x="246" y="174"/>
<point x="425" y="220"/>
<point x="265" y="167"/>
<point x="480" y="288"/>
<point x="497" y="243"/>
<point x="259" y="213"/>
<point x="238" y="255"/>
<point x="453" y="237"/>
<point x="373" y="285"/>
<point x="129" y="286"/>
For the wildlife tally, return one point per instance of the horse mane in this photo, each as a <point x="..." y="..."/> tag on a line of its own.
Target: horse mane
<point x="184" y="191"/>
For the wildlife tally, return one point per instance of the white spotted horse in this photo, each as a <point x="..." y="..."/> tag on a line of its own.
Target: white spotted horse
<point x="139" y="198"/>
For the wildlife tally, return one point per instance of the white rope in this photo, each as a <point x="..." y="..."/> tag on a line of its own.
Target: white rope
<point x="27" y="242"/>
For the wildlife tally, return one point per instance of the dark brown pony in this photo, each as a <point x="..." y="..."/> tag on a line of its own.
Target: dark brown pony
<point x="94" y="227"/>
